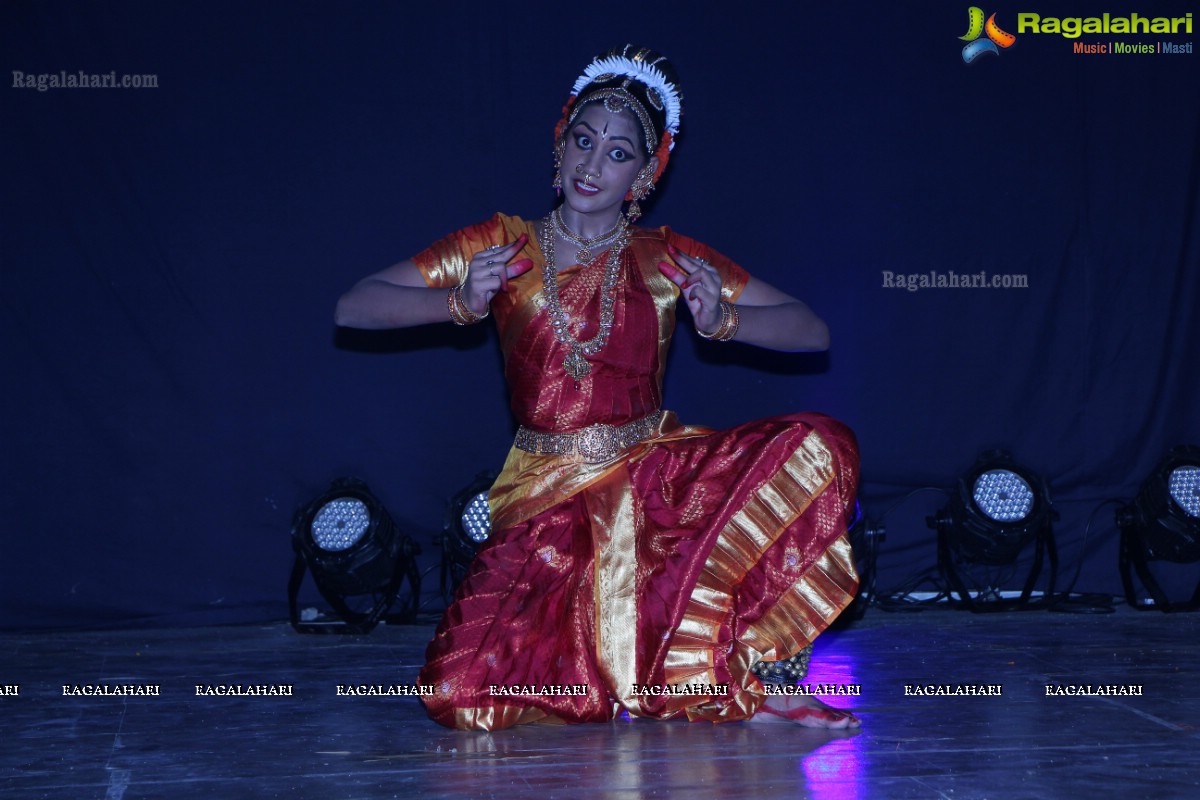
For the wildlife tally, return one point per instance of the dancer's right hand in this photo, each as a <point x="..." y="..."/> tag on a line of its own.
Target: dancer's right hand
<point x="489" y="272"/>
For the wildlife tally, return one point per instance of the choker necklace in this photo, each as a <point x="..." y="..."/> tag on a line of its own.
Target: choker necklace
<point x="576" y="361"/>
<point x="586" y="252"/>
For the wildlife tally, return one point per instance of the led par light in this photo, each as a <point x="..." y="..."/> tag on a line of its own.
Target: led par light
<point x="467" y="526"/>
<point x="357" y="556"/>
<point x="1162" y="524"/>
<point x="999" y="509"/>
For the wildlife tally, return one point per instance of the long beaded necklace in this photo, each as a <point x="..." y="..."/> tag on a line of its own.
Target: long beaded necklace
<point x="586" y="252"/>
<point x="576" y="361"/>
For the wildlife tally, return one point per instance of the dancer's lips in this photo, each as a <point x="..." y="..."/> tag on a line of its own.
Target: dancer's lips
<point x="586" y="189"/>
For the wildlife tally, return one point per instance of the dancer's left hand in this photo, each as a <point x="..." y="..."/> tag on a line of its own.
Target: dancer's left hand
<point x="700" y="284"/>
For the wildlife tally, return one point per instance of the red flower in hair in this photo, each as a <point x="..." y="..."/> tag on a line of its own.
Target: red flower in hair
<point x="562" y="123"/>
<point x="664" y="154"/>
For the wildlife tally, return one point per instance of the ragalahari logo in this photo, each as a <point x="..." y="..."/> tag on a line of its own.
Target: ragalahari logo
<point x="976" y="27"/>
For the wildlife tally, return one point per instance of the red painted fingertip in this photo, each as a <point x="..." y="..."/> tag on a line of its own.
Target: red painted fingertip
<point x="671" y="249"/>
<point x="672" y="272"/>
<point x="514" y="270"/>
<point x="521" y="240"/>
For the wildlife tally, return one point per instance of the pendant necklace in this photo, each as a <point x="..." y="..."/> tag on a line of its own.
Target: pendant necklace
<point x="588" y="248"/>
<point x="576" y="361"/>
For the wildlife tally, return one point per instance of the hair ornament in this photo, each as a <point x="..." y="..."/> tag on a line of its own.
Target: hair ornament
<point x="662" y="94"/>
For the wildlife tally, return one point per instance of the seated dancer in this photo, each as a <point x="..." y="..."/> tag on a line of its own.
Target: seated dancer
<point x="635" y="563"/>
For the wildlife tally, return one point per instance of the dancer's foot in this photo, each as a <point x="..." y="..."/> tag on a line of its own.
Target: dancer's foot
<point x="804" y="710"/>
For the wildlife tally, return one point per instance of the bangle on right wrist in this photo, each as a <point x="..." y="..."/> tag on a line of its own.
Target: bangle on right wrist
<point x="460" y="312"/>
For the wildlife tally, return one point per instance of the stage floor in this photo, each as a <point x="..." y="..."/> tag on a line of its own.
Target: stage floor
<point x="62" y="743"/>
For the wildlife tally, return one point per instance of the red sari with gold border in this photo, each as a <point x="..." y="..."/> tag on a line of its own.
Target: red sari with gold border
<point x="654" y="581"/>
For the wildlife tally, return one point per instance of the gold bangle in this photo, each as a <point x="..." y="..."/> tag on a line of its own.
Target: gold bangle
<point x="728" y="327"/>
<point x="453" y="307"/>
<point x="720" y="325"/>
<point x="460" y="312"/>
<point x="734" y="321"/>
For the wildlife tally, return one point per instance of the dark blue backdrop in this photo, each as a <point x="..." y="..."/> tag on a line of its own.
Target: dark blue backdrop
<point x="175" y="387"/>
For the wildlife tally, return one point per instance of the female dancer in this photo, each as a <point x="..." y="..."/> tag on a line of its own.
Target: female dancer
<point x="635" y="563"/>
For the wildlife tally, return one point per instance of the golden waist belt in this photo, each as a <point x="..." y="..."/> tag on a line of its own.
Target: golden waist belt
<point x="595" y="443"/>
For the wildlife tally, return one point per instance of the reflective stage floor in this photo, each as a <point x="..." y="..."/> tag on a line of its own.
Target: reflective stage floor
<point x="61" y="742"/>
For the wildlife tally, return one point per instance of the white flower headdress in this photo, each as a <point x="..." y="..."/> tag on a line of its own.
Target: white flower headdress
<point x="661" y="93"/>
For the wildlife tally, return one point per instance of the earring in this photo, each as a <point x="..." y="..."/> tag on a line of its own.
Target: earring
<point x="559" y="150"/>
<point x="643" y="184"/>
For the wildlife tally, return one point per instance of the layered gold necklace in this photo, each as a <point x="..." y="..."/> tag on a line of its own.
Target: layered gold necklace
<point x="588" y="248"/>
<point x="576" y="361"/>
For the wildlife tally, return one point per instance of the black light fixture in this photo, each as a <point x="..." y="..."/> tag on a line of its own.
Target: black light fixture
<point x="866" y="536"/>
<point x="1162" y="524"/>
<point x="358" y="558"/>
<point x="999" y="509"/>
<point x="467" y="526"/>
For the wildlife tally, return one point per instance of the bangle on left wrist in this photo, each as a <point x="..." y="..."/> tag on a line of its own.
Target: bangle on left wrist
<point x="728" y="326"/>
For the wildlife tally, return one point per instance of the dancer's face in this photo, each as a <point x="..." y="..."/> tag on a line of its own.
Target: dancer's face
<point x="603" y="154"/>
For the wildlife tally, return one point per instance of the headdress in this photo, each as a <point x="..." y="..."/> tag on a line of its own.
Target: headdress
<point x="638" y="79"/>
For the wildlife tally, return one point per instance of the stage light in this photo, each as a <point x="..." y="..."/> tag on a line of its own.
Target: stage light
<point x="467" y="526"/>
<point x="476" y="518"/>
<point x="866" y="536"/>
<point x="1162" y="524"/>
<point x="358" y="559"/>
<point x="999" y="509"/>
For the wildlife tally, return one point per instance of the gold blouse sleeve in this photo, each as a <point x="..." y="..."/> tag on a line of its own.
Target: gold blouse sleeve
<point x="733" y="277"/>
<point x="444" y="263"/>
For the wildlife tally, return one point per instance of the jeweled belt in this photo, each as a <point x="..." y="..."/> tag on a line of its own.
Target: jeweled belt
<point x="595" y="443"/>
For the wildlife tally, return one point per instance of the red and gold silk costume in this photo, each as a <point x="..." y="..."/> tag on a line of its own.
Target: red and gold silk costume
<point x="679" y="563"/>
